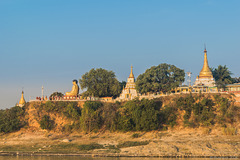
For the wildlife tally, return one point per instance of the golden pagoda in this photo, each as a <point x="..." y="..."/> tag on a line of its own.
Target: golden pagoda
<point x="22" y="101"/>
<point x="205" y="77"/>
<point x="205" y="72"/>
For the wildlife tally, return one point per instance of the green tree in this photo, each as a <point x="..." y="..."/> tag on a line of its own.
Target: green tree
<point x="90" y="118"/>
<point x="108" y="115"/>
<point x="11" y="119"/>
<point x="123" y="84"/>
<point x="169" y="115"/>
<point x="186" y="103"/>
<point x="100" y="83"/>
<point x="222" y="76"/>
<point x="163" y="77"/>
<point x="226" y="108"/>
<point x="139" y="115"/>
<point x="58" y="94"/>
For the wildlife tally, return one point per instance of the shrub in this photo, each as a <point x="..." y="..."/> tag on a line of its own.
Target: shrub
<point x="108" y="114"/>
<point x="10" y="119"/>
<point x="139" y="115"/>
<point x="132" y="143"/>
<point x="72" y="111"/>
<point x="207" y="131"/>
<point x="46" y="123"/>
<point x="136" y="135"/>
<point x="50" y="106"/>
<point x="230" y="131"/>
<point x="88" y="147"/>
<point x="90" y="118"/>
<point x="67" y="128"/>
<point x="169" y="115"/>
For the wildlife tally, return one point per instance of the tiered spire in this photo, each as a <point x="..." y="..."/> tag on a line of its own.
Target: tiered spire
<point x="131" y="74"/>
<point x="205" y="72"/>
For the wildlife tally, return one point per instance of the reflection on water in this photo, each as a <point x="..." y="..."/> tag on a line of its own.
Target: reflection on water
<point x="90" y="158"/>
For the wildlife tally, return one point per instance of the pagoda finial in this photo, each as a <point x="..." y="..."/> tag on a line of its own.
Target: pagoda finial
<point x="22" y="101"/>
<point x="131" y="74"/>
<point x="205" y="72"/>
<point x="205" y="48"/>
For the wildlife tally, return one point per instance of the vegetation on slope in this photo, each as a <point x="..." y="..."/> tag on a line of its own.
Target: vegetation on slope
<point x="136" y="115"/>
<point x="10" y="119"/>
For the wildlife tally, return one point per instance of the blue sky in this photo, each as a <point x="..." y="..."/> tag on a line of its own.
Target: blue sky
<point x="52" y="42"/>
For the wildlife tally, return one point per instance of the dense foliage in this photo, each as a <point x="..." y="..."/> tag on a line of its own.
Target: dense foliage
<point x="139" y="115"/>
<point x="163" y="77"/>
<point x="56" y="94"/>
<point x="10" y="119"/>
<point x="222" y="76"/>
<point x="68" y="109"/>
<point x="90" y="119"/>
<point x="46" y="123"/>
<point x="123" y="84"/>
<point x="198" y="110"/>
<point x="100" y="83"/>
<point x="136" y="115"/>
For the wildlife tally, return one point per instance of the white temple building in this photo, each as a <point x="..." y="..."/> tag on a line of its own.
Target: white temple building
<point x="129" y="92"/>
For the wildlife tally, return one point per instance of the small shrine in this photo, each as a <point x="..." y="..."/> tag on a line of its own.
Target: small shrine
<point x="129" y="92"/>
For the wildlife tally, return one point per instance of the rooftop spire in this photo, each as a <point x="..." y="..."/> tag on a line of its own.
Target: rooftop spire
<point x="131" y="74"/>
<point x="205" y="72"/>
<point x="22" y="100"/>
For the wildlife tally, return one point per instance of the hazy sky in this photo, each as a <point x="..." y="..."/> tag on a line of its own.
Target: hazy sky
<point x="52" y="42"/>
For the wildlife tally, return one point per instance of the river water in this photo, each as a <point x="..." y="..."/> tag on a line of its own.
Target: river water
<point x="97" y="158"/>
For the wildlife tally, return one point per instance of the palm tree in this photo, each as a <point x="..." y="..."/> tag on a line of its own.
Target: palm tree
<point x="222" y="76"/>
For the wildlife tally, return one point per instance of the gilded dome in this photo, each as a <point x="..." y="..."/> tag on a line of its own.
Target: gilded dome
<point x="22" y="100"/>
<point x="205" y="72"/>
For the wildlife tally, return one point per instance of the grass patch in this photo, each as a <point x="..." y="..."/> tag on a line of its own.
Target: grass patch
<point x="76" y="147"/>
<point x="230" y="131"/>
<point x="161" y="134"/>
<point x="136" y="135"/>
<point x="132" y="143"/>
<point x="87" y="147"/>
<point x="206" y="131"/>
<point x="9" y="148"/>
<point x="60" y="148"/>
<point x="93" y="137"/>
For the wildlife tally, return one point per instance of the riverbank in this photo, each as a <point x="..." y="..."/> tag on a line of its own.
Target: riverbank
<point x="172" y="143"/>
<point x="102" y="155"/>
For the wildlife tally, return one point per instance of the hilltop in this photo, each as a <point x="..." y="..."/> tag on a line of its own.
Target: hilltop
<point x="180" y="125"/>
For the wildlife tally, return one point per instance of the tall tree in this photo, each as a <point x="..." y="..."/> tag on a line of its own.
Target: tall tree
<point x="222" y="76"/>
<point x="163" y="77"/>
<point x="58" y="94"/>
<point x="123" y="84"/>
<point x="100" y="83"/>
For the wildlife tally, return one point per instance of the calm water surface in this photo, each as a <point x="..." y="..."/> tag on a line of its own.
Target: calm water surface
<point x="90" y="158"/>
